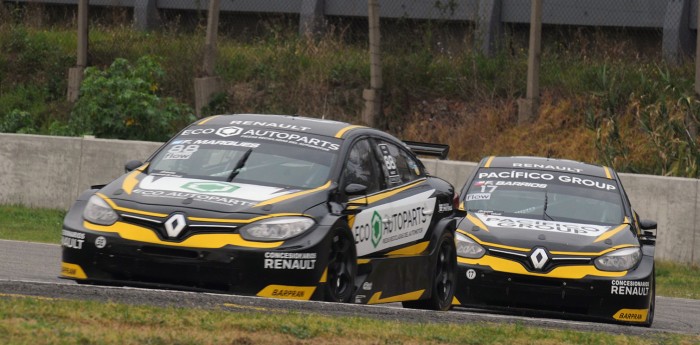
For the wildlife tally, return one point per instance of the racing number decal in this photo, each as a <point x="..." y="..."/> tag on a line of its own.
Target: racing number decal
<point x="389" y="161"/>
<point x="181" y="151"/>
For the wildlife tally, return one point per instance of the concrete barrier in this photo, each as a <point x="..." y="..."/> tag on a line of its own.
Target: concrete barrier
<point x="50" y="172"/>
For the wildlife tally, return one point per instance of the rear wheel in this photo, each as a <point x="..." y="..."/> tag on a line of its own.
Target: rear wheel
<point x="342" y="267"/>
<point x="444" y="277"/>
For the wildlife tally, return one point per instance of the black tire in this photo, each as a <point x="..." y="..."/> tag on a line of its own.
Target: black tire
<point x="444" y="280"/>
<point x="652" y="303"/>
<point x="342" y="267"/>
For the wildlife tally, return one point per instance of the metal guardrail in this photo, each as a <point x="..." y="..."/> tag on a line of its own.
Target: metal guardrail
<point x="677" y="18"/>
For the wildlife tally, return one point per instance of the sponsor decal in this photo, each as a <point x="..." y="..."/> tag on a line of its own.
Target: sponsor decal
<point x="528" y="175"/>
<point x="360" y="299"/>
<point x="492" y="221"/>
<point x="100" y="242"/>
<point x="497" y="183"/>
<point x="200" y="197"/>
<point x="367" y="286"/>
<point x="229" y="131"/>
<point x="471" y="274"/>
<point x="72" y="239"/>
<point x="180" y="152"/>
<point x="289" y="292"/>
<point x="269" y="124"/>
<point x="445" y="207"/>
<point x="629" y="288"/>
<point x="72" y="271"/>
<point x="290" y="138"/>
<point x="546" y="167"/>
<point x="210" y="187"/>
<point x="631" y="315"/>
<point x="478" y="196"/>
<point x="405" y="222"/>
<point x="289" y="261"/>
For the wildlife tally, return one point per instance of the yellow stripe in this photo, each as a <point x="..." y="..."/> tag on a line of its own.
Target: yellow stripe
<point x="488" y="162"/>
<point x="411" y="296"/>
<point x="207" y="120"/>
<point x="72" y="271"/>
<point x="387" y="194"/>
<point x="302" y="293"/>
<point x="631" y="315"/>
<point x="324" y="276"/>
<point x="607" y="173"/>
<point x="610" y="233"/>
<point x="344" y="130"/>
<point x="363" y="261"/>
<point x="455" y="301"/>
<point x="496" y="245"/>
<point x="477" y="222"/>
<point x="564" y="272"/>
<point x="212" y="241"/>
<point x="130" y="181"/>
<point x="245" y="221"/>
<point x="130" y="210"/>
<point x="411" y="250"/>
<point x="293" y="195"/>
<point x="461" y="206"/>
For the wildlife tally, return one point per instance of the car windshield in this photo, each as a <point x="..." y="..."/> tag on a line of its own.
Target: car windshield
<point x="545" y="195"/>
<point x="253" y="160"/>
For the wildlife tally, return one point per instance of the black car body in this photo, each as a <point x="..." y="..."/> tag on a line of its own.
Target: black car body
<point x="554" y="235"/>
<point x="273" y="206"/>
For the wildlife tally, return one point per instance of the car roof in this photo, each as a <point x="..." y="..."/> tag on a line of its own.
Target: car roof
<point x="543" y="163"/>
<point x="291" y="123"/>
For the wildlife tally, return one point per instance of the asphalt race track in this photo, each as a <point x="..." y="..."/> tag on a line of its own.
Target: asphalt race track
<point x="32" y="269"/>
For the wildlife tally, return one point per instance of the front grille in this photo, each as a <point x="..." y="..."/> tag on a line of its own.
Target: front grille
<point x="158" y="226"/>
<point x="553" y="262"/>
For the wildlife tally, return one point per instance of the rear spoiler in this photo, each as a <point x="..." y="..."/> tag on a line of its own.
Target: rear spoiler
<point x="428" y="149"/>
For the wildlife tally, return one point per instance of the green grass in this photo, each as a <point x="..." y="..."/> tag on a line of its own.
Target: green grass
<point x="42" y="225"/>
<point x="32" y="320"/>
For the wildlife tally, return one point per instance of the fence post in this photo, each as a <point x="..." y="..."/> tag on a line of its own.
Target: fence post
<point x="75" y="74"/>
<point x="145" y="14"/>
<point x="528" y="108"/>
<point x="208" y="85"/>
<point x="373" y="96"/>
<point x="311" y="18"/>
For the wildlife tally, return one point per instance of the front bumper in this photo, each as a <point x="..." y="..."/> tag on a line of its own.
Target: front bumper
<point x="623" y="298"/>
<point x="125" y="254"/>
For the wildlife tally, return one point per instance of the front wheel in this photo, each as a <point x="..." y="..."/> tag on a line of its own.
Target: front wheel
<point x="444" y="277"/>
<point x="342" y="267"/>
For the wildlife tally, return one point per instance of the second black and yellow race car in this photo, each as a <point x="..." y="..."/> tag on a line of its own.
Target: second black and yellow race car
<point x="273" y="206"/>
<point x="554" y="235"/>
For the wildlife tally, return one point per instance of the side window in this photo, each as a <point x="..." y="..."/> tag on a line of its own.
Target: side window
<point x="361" y="167"/>
<point x="398" y="165"/>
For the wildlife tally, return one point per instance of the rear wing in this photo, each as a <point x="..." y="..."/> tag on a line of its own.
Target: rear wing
<point x="428" y="149"/>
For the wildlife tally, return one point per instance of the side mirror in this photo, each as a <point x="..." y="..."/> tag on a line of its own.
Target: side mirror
<point x="355" y="189"/>
<point x="647" y="224"/>
<point x="131" y="165"/>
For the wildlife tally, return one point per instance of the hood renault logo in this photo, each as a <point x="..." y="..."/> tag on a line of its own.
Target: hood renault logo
<point x="175" y="224"/>
<point x="539" y="258"/>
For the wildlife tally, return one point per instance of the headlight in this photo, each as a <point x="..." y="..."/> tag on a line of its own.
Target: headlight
<point x="99" y="212"/>
<point x="276" y="229"/>
<point x="467" y="248"/>
<point x="619" y="260"/>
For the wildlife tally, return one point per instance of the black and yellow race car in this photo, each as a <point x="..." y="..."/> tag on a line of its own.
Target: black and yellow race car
<point x="273" y="206"/>
<point x="554" y="235"/>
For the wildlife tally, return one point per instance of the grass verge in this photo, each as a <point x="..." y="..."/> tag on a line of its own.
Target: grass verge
<point x="42" y="225"/>
<point x="30" y="320"/>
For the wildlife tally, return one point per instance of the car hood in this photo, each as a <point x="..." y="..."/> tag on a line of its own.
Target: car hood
<point x="526" y="233"/>
<point x="164" y="194"/>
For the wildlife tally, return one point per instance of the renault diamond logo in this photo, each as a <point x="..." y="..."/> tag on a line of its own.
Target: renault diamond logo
<point x="539" y="258"/>
<point x="175" y="224"/>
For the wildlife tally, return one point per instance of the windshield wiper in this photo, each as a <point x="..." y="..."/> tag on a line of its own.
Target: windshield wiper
<point x="544" y="210"/>
<point x="239" y="165"/>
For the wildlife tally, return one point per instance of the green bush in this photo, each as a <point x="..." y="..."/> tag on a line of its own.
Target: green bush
<point x="122" y="102"/>
<point x="17" y="121"/>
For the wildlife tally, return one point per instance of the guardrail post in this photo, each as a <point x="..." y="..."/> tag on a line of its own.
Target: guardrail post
<point x="490" y="28"/>
<point x="208" y="85"/>
<point x="312" y="17"/>
<point x="677" y="40"/>
<point x="145" y="15"/>
<point x="373" y="96"/>
<point x="529" y="106"/>
<point x="75" y="74"/>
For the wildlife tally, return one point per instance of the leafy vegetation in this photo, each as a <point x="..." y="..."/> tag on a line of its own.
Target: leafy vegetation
<point x="607" y="96"/>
